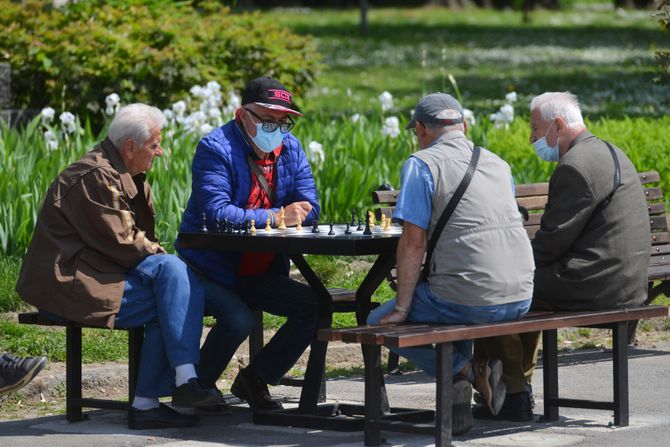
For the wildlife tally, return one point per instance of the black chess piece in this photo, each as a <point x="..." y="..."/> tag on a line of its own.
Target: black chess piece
<point x="331" y="232"/>
<point x="217" y="226"/>
<point x="315" y="227"/>
<point x="247" y="225"/>
<point x="353" y="217"/>
<point x="348" y="230"/>
<point x="360" y="225"/>
<point x="367" y="230"/>
<point x="203" y="227"/>
<point x="237" y="229"/>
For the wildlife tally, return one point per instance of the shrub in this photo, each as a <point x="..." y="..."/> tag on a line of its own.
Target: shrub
<point x="152" y="51"/>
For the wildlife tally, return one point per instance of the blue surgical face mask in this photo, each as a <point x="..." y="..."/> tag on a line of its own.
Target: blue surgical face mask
<point x="543" y="150"/>
<point x="267" y="141"/>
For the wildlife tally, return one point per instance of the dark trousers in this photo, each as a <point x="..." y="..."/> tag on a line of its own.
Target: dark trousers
<point x="271" y="292"/>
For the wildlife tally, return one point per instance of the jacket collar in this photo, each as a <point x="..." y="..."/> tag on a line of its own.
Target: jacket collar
<point x="584" y="135"/>
<point x="446" y="136"/>
<point x="112" y="154"/>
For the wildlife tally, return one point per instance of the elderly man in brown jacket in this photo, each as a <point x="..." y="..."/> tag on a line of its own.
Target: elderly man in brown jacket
<point x="94" y="259"/>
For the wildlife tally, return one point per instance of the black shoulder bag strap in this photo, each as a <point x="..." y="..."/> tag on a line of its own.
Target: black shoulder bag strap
<point x="617" y="180"/>
<point x="261" y="178"/>
<point x="449" y="209"/>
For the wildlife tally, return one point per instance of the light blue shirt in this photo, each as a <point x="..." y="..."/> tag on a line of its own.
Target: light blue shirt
<point x="415" y="201"/>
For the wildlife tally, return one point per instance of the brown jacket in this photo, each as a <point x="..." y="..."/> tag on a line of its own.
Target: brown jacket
<point x="93" y="227"/>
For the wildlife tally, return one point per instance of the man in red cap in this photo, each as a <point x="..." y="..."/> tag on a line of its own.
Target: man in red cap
<point x="246" y="170"/>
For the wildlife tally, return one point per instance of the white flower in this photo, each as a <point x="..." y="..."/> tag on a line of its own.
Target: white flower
<point x="68" y="122"/>
<point x="386" y="100"/>
<point x="507" y="113"/>
<point x="469" y="117"/>
<point x="213" y="113"/>
<point x="168" y="114"/>
<point x="315" y="153"/>
<point x="179" y="108"/>
<point x="112" y="100"/>
<point x="51" y="140"/>
<point x="356" y="117"/>
<point x="213" y="86"/>
<point x="204" y="129"/>
<point x="47" y="114"/>
<point x="391" y="127"/>
<point x="510" y="97"/>
<point x="199" y="92"/>
<point x="234" y="100"/>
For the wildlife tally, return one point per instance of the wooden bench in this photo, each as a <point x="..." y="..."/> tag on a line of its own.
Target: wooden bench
<point x="372" y="338"/>
<point x="74" y="401"/>
<point x="344" y="301"/>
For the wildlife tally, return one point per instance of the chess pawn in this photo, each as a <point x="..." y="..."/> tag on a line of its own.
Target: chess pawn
<point x="383" y="222"/>
<point x="353" y="217"/>
<point x="348" y="230"/>
<point x="360" y="225"/>
<point x="331" y="232"/>
<point x="315" y="227"/>
<point x="298" y="226"/>
<point x="267" y="225"/>
<point x="282" y="216"/>
<point x="371" y="217"/>
<point x="252" y="230"/>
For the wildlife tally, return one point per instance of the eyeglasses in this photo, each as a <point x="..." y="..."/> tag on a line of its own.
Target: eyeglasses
<point x="271" y="126"/>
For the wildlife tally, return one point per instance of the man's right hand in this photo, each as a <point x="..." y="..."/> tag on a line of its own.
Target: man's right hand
<point x="296" y="211"/>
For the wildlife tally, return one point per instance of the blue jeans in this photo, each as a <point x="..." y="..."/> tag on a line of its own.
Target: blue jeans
<point x="427" y="308"/>
<point x="165" y="296"/>
<point x="271" y="292"/>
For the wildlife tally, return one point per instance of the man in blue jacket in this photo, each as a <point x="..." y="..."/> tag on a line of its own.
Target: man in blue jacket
<point x="247" y="169"/>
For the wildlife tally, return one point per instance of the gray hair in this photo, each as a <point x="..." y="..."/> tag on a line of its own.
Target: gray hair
<point x="558" y="104"/>
<point x="447" y="114"/>
<point x="135" y="122"/>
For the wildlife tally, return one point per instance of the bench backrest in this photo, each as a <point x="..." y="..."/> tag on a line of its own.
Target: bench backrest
<point x="533" y="196"/>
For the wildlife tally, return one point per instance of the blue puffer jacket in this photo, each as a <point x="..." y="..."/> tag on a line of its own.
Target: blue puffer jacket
<point x="221" y="187"/>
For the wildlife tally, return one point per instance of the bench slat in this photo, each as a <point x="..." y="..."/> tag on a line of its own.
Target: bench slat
<point x="649" y="177"/>
<point x="398" y="336"/>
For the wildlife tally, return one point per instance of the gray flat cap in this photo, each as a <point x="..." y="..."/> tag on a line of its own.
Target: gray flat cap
<point x="431" y="110"/>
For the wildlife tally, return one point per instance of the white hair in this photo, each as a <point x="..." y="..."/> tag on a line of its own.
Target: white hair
<point x="135" y="122"/>
<point x="558" y="104"/>
<point x="447" y="114"/>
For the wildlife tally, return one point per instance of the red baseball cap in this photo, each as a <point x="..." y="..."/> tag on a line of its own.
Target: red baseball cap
<point x="269" y="93"/>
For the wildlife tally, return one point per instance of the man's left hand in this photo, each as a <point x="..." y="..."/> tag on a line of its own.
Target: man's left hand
<point x="393" y="317"/>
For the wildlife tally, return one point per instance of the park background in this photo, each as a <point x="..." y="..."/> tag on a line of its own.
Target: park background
<point x="74" y="64"/>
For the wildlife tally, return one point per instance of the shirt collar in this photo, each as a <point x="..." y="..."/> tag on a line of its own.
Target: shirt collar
<point x="580" y="138"/>
<point x="117" y="163"/>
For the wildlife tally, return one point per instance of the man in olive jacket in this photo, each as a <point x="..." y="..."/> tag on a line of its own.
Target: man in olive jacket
<point x="94" y="259"/>
<point x="592" y="248"/>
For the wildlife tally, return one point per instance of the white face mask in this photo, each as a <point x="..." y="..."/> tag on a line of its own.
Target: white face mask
<point x="543" y="150"/>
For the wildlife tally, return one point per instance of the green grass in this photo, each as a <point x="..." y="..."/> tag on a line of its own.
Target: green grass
<point x="606" y="57"/>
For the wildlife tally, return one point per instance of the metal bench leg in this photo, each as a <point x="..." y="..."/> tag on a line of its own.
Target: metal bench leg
<point x="73" y="407"/>
<point x="620" y="360"/>
<point x="394" y="360"/>
<point x="443" y="395"/>
<point x="550" y="373"/>
<point x="135" y="339"/>
<point x="373" y="394"/>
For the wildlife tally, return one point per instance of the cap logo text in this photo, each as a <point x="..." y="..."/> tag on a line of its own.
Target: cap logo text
<point x="281" y="95"/>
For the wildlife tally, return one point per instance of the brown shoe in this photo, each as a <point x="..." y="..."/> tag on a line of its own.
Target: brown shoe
<point x="488" y="381"/>
<point x="250" y="387"/>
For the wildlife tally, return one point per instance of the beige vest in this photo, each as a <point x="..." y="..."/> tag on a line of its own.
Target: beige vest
<point x="483" y="256"/>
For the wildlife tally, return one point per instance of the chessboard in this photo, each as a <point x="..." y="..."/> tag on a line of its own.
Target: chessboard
<point x="327" y="240"/>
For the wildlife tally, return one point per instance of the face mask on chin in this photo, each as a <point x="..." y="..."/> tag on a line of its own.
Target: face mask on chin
<point x="543" y="150"/>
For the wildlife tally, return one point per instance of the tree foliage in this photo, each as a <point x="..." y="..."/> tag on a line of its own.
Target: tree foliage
<point x="150" y="51"/>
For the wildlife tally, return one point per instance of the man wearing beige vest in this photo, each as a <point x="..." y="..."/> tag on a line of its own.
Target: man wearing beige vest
<point x="592" y="248"/>
<point x="481" y="269"/>
<point x="95" y="259"/>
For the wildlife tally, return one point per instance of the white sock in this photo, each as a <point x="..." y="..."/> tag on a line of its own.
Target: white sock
<point x="145" y="403"/>
<point x="183" y="373"/>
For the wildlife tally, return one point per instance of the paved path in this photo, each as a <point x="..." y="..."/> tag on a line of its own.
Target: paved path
<point x="584" y="375"/>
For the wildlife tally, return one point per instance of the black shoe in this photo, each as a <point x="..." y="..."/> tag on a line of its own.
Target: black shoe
<point x="248" y="386"/>
<point x="16" y="372"/>
<point x="461" y="411"/>
<point x="161" y="417"/>
<point x="191" y="394"/>
<point x="222" y="408"/>
<point x="518" y="407"/>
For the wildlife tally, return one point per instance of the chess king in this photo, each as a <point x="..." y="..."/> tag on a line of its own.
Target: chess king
<point x="250" y="168"/>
